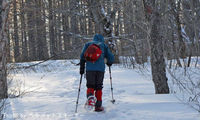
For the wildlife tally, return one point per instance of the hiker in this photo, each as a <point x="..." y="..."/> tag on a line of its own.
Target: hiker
<point x="95" y="70"/>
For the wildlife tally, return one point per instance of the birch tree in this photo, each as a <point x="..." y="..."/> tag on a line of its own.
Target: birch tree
<point x="153" y="11"/>
<point x="3" y="49"/>
<point x="16" y="35"/>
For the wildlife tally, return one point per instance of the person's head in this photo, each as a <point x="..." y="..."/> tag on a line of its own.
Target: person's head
<point x="98" y="37"/>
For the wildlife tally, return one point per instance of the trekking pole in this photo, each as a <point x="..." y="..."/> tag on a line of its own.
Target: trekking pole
<point x="78" y="93"/>
<point x="113" y="100"/>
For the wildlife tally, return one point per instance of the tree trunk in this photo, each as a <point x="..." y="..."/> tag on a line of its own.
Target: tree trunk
<point x="51" y="30"/>
<point x="65" y="25"/>
<point x="42" y="49"/>
<point x="157" y="58"/>
<point x="156" y="44"/>
<point x="58" y="31"/>
<point x="23" y="32"/>
<point x="31" y="29"/>
<point x="3" y="51"/>
<point x="16" y="36"/>
<point x="74" y="29"/>
<point x="182" y="45"/>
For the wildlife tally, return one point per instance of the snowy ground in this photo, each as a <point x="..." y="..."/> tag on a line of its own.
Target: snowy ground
<point x="53" y="97"/>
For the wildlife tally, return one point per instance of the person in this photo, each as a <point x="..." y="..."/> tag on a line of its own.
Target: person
<point x="95" y="70"/>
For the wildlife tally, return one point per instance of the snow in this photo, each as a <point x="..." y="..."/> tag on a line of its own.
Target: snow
<point x="51" y="94"/>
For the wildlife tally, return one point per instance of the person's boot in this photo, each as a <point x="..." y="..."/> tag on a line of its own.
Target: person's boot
<point x="98" y="105"/>
<point x="99" y="108"/>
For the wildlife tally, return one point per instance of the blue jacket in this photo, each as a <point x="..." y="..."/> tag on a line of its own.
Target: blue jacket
<point x="99" y="65"/>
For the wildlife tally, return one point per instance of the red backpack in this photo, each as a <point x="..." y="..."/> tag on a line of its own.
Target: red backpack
<point x="92" y="53"/>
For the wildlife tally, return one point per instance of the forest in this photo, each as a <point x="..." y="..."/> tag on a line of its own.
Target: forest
<point x="164" y="33"/>
<point x="42" y="29"/>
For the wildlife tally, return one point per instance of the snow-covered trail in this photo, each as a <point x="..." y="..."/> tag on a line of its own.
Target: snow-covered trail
<point x="55" y="95"/>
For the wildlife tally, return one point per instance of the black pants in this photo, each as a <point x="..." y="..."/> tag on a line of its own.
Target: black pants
<point x="94" y="79"/>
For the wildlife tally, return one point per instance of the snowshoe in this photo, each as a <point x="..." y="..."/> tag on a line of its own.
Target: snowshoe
<point x="90" y="103"/>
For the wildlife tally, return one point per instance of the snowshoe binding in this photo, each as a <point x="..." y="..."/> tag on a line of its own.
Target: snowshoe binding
<point x="90" y="103"/>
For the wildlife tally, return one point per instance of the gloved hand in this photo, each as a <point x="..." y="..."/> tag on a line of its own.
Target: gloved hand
<point x="109" y="64"/>
<point x="82" y="70"/>
<point x="82" y="67"/>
